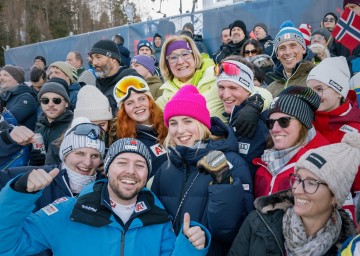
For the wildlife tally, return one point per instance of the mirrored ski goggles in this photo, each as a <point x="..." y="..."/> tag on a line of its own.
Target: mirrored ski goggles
<point x="231" y="69"/>
<point x="122" y="89"/>
<point x="92" y="131"/>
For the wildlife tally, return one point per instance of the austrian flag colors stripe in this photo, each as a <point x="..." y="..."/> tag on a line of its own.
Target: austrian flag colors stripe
<point x="347" y="30"/>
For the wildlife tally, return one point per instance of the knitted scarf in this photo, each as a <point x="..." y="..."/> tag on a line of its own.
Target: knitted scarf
<point x="277" y="159"/>
<point x="298" y="243"/>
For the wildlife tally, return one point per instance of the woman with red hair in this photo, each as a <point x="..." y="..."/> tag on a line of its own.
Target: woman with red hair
<point x="139" y="117"/>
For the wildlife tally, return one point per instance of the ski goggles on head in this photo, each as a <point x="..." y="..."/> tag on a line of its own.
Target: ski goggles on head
<point x="92" y="131"/>
<point x="123" y="88"/>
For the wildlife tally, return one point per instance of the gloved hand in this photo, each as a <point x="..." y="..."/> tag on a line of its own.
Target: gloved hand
<point x="246" y="119"/>
<point x="37" y="158"/>
<point x="215" y="164"/>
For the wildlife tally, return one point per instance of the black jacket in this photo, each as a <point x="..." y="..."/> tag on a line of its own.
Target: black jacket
<point x="229" y="49"/>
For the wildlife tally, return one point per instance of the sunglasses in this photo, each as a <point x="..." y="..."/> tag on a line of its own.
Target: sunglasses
<point x="46" y="101"/>
<point x="253" y="51"/>
<point x="328" y="20"/>
<point x="283" y="122"/>
<point x="122" y="89"/>
<point x="92" y="131"/>
<point x="229" y="68"/>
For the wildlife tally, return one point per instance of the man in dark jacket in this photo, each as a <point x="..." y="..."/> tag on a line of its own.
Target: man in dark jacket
<point x="238" y="35"/>
<point x="19" y="98"/>
<point x="124" y="52"/>
<point x="267" y="43"/>
<point x="107" y="63"/>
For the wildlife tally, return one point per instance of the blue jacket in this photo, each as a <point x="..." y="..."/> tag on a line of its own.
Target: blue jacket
<point x="250" y="148"/>
<point x="87" y="226"/>
<point x="220" y="207"/>
<point x="148" y="136"/>
<point x="22" y="103"/>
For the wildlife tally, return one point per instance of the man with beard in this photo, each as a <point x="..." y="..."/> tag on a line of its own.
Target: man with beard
<point x="114" y="217"/>
<point x="238" y="34"/>
<point x="106" y="61"/>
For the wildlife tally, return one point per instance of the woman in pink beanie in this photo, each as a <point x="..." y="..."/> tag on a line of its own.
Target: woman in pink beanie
<point x="221" y="200"/>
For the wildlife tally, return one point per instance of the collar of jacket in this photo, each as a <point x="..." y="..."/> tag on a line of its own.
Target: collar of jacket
<point x="94" y="208"/>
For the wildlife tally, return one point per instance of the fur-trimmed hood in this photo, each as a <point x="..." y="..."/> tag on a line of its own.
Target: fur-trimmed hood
<point x="281" y="200"/>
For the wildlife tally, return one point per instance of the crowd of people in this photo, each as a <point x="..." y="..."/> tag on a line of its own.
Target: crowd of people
<point x="251" y="150"/>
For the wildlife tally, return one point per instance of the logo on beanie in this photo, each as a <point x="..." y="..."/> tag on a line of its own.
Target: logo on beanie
<point x="287" y="36"/>
<point x="335" y="85"/>
<point x="272" y="105"/>
<point x="132" y="146"/>
<point x="316" y="160"/>
<point x="67" y="150"/>
<point x="244" y="82"/>
<point x="108" y="54"/>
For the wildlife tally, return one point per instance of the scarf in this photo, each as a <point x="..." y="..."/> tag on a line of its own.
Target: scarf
<point x="277" y="159"/>
<point x="78" y="181"/>
<point x="298" y="243"/>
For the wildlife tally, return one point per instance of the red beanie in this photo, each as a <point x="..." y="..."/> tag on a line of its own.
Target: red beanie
<point x="188" y="102"/>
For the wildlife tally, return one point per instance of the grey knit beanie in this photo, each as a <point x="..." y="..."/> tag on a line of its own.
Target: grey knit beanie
<point x="16" y="72"/>
<point x="55" y="88"/>
<point x="298" y="101"/>
<point x="127" y="145"/>
<point x="335" y="164"/>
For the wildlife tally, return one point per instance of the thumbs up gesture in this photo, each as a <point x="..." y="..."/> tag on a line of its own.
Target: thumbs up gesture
<point x="39" y="179"/>
<point x="195" y="234"/>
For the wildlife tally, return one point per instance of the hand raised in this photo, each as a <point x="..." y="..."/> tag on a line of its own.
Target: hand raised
<point x="22" y="135"/>
<point x="39" y="179"/>
<point x="195" y="234"/>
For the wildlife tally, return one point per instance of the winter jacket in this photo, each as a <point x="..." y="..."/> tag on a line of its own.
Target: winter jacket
<point x="74" y="89"/>
<point x="262" y="235"/>
<point x="334" y="124"/>
<point x="87" y="226"/>
<point x="106" y="85"/>
<point x="229" y="49"/>
<point x="250" y="148"/>
<point x="266" y="184"/>
<point x="22" y="103"/>
<point x="298" y="77"/>
<point x="267" y="44"/>
<point x="220" y="207"/>
<point x="206" y="85"/>
<point x="124" y="55"/>
<point x="155" y="83"/>
<point x="55" y="129"/>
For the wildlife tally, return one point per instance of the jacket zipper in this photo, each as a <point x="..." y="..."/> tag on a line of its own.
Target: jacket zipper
<point x="186" y="175"/>
<point x="122" y="245"/>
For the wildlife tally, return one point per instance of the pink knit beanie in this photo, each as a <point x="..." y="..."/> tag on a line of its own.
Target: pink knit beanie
<point x="188" y="102"/>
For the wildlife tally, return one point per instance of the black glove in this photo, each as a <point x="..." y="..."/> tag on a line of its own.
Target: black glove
<point x="215" y="164"/>
<point x="37" y="158"/>
<point x="246" y="119"/>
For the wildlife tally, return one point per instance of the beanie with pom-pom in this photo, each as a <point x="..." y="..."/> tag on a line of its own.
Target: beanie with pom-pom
<point x="288" y="32"/>
<point x="326" y="163"/>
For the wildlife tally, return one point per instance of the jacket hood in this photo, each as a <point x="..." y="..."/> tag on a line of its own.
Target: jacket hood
<point x="21" y="88"/>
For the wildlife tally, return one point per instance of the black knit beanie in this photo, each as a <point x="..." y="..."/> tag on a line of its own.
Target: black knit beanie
<point x="240" y="24"/>
<point x="107" y="48"/>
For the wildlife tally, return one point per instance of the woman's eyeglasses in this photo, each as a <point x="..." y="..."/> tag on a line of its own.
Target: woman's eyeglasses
<point x="253" y="51"/>
<point x="123" y="87"/>
<point x="317" y="38"/>
<point x="309" y="185"/>
<point x="174" y="57"/>
<point x="320" y="90"/>
<point x="46" y="101"/>
<point x="92" y="131"/>
<point x="283" y="122"/>
<point x="329" y="20"/>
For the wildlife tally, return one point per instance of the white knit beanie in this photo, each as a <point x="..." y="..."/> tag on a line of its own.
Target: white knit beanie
<point x="333" y="72"/>
<point x="93" y="104"/>
<point x="335" y="164"/>
<point x="73" y="139"/>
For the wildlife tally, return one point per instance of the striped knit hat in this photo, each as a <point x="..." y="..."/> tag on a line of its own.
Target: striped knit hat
<point x="297" y="101"/>
<point x="129" y="145"/>
<point x="288" y="32"/>
<point x="82" y="134"/>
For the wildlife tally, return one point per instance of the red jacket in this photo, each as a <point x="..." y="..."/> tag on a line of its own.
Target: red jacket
<point x="266" y="184"/>
<point x="334" y="124"/>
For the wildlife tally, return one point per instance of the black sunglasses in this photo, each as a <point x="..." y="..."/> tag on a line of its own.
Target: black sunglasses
<point x="46" y="101"/>
<point x="284" y="122"/>
<point x="253" y="51"/>
<point x="329" y="19"/>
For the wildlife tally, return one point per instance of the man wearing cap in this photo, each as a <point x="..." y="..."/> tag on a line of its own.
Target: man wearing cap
<point x="117" y="216"/>
<point x="144" y="48"/>
<point x="65" y="71"/>
<point x="40" y="62"/>
<point x="261" y="33"/>
<point x="295" y="59"/>
<point x="55" y="119"/>
<point x="145" y="66"/>
<point x="107" y="63"/>
<point x="157" y="45"/>
<point x="238" y="34"/>
<point x="20" y="99"/>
